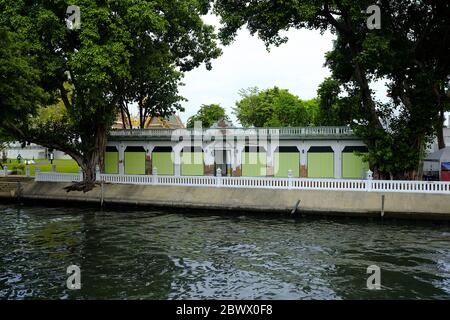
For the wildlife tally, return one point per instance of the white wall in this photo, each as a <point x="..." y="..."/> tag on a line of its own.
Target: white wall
<point x="237" y="147"/>
<point x="32" y="151"/>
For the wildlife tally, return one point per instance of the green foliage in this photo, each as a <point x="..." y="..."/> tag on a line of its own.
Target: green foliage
<point x="18" y="169"/>
<point x="130" y="51"/>
<point x="208" y="114"/>
<point x="329" y="113"/>
<point x="20" y="92"/>
<point x="409" y="52"/>
<point x="3" y="146"/>
<point x="273" y="108"/>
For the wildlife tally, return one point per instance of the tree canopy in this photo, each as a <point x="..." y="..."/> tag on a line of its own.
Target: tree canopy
<point x="410" y="52"/>
<point x="125" y="52"/>
<point x="208" y="114"/>
<point x="333" y="109"/>
<point x="274" y="107"/>
<point x="20" y="91"/>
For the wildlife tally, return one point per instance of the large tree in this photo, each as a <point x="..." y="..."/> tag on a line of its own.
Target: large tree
<point x="273" y="107"/>
<point x="333" y="110"/>
<point x="20" y="89"/>
<point x="208" y="114"/>
<point x="121" y="47"/>
<point x="410" y="51"/>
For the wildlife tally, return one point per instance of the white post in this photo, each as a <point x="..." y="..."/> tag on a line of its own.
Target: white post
<point x="5" y="170"/>
<point x="155" y="175"/>
<point x="338" y="161"/>
<point x="290" y="179"/>
<point x="28" y="171"/>
<point x="97" y="173"/>
<point x="53" y="167"/>
<point x="219" y="177"/>
<point x="121" y="149"/>
<point x="369" y="180"/>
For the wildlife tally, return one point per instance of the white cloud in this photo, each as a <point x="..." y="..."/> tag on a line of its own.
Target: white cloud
<point x="296" y="65"/>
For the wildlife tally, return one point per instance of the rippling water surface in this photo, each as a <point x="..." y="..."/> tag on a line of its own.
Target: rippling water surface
<point x="170" y="255"/>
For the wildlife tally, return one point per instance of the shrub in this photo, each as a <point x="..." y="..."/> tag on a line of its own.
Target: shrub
<point x="19" y="169"/>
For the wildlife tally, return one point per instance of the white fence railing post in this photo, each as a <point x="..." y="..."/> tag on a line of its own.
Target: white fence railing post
<point x="290" y="179"/>
<point x="5" y="170"/>
<point x="369" y="179"/>
<point x="97" y="173"/>
<point x="36" y="172"/>
<point x="155" y="175"/>
<point x="219" y="177"/>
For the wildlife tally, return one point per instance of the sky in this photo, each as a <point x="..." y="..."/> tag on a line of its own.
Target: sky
<point x="296" y="65"/>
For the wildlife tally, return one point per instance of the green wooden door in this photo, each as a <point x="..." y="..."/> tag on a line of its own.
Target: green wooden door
<point x="285" y="159"/>
<point x="254" y="164"/>
<point x="134" y="160"/>
<point x="353" y="164"/>
<point x="320" y="162"/>
<point x="111" y="160"/>
<point x="192" y="163"/>
<point x="163" y="161"/>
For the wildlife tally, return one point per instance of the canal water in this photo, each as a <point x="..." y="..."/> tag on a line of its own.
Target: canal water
<point x="171" y="255"/>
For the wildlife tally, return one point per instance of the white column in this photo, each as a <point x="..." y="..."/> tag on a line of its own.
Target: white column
<point x="177" y="159"/>
<point x="303" y="148"/>
<point x="337" y="148"/>
<point x="269" y="158"/>
<point x="237" y="156"/>
<point x="121" y="149"/>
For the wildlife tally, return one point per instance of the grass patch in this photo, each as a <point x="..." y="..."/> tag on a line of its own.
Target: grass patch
<point x="63" y="166"/>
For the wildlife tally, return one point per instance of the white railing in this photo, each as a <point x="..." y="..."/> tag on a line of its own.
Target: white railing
<point x="411" y="186"/>
<point x="57" y="177"/>
<point x="286" y="131"/>
<point x="260" y="182"/>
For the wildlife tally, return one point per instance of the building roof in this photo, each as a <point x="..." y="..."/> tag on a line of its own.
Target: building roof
<point x="442" y="155"/>
<point x="222" y="123"/>
<point x="172" y="121"/>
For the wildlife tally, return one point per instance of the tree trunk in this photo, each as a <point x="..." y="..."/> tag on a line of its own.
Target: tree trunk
<point x="101" y="140"/>
<point x="127" y="112"/>
<point x="122" y="113"/>
<point x="440" y="130"/>
<point x="90" y="160"/>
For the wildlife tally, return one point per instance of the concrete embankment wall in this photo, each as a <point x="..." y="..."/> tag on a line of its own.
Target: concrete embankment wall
<point x="345" y="203"/>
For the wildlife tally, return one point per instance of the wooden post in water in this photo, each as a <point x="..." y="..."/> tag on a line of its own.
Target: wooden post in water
<point x="101" y="194"/>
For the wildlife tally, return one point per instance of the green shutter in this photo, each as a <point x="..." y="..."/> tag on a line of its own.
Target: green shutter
<point x="192" y="163"/>
<point x="163" y="162"/>
<point x="112" y="162"/>
<point x="254" y="164"/>
<point x="284" y="161"/>
<point x="134" y="162"/>
<point x="320" y="165"/>
<point x="353" y="166"/>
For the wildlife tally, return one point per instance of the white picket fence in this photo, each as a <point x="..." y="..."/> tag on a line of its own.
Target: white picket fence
<point x="57" y="177"/>
<point x="259" y="182"/>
